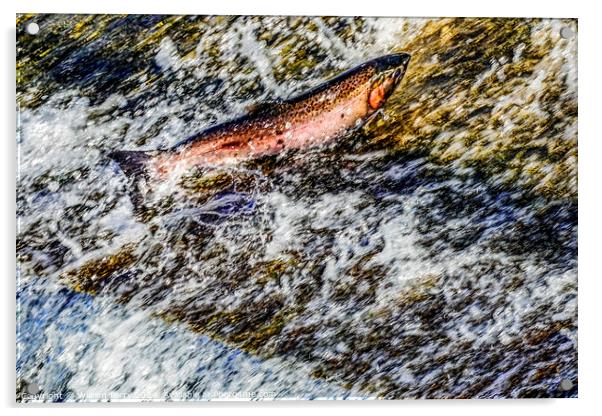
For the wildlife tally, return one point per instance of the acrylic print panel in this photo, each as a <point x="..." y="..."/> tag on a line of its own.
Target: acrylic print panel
<point x="231" y="207"/>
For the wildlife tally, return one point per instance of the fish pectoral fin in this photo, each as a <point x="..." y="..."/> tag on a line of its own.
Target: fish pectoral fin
<point x="262" y="106"/>
<point x="373" y="118"/>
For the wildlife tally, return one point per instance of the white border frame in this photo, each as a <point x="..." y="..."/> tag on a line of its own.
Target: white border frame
<point x="590" y="178"/>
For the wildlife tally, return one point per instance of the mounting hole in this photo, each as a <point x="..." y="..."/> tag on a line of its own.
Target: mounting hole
<point x="32" y="28"/>
<point x="566" y="384"/>
<point x="566" y="33"/>
<point x="33" y="388"/>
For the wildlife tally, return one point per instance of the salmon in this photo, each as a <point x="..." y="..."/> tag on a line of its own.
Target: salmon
<point x="313" y="118"/>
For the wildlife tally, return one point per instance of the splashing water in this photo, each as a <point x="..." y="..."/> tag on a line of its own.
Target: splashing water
<point x="432" y="254"/>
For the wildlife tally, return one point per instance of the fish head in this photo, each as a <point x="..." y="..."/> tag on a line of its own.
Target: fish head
<point x="388" y="72"/>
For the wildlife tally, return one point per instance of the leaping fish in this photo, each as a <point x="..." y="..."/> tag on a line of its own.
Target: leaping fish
<point x="313" y="118"/>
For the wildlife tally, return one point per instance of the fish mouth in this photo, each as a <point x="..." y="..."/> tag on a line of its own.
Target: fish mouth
<point x="393" y="62"/>
<point x="393" y="66"/>
<point x="390" y="69"/>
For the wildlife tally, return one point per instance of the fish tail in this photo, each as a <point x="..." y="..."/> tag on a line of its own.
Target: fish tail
<point x="132" y="163"/>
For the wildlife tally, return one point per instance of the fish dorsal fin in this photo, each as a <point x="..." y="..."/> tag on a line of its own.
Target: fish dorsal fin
<point x="262" y="106"/>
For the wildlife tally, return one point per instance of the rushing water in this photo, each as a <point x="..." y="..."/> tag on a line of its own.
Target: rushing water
<point x="431" y="254"/>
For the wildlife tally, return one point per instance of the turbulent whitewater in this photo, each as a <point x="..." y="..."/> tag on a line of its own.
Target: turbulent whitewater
<point x="430" y="253"/>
